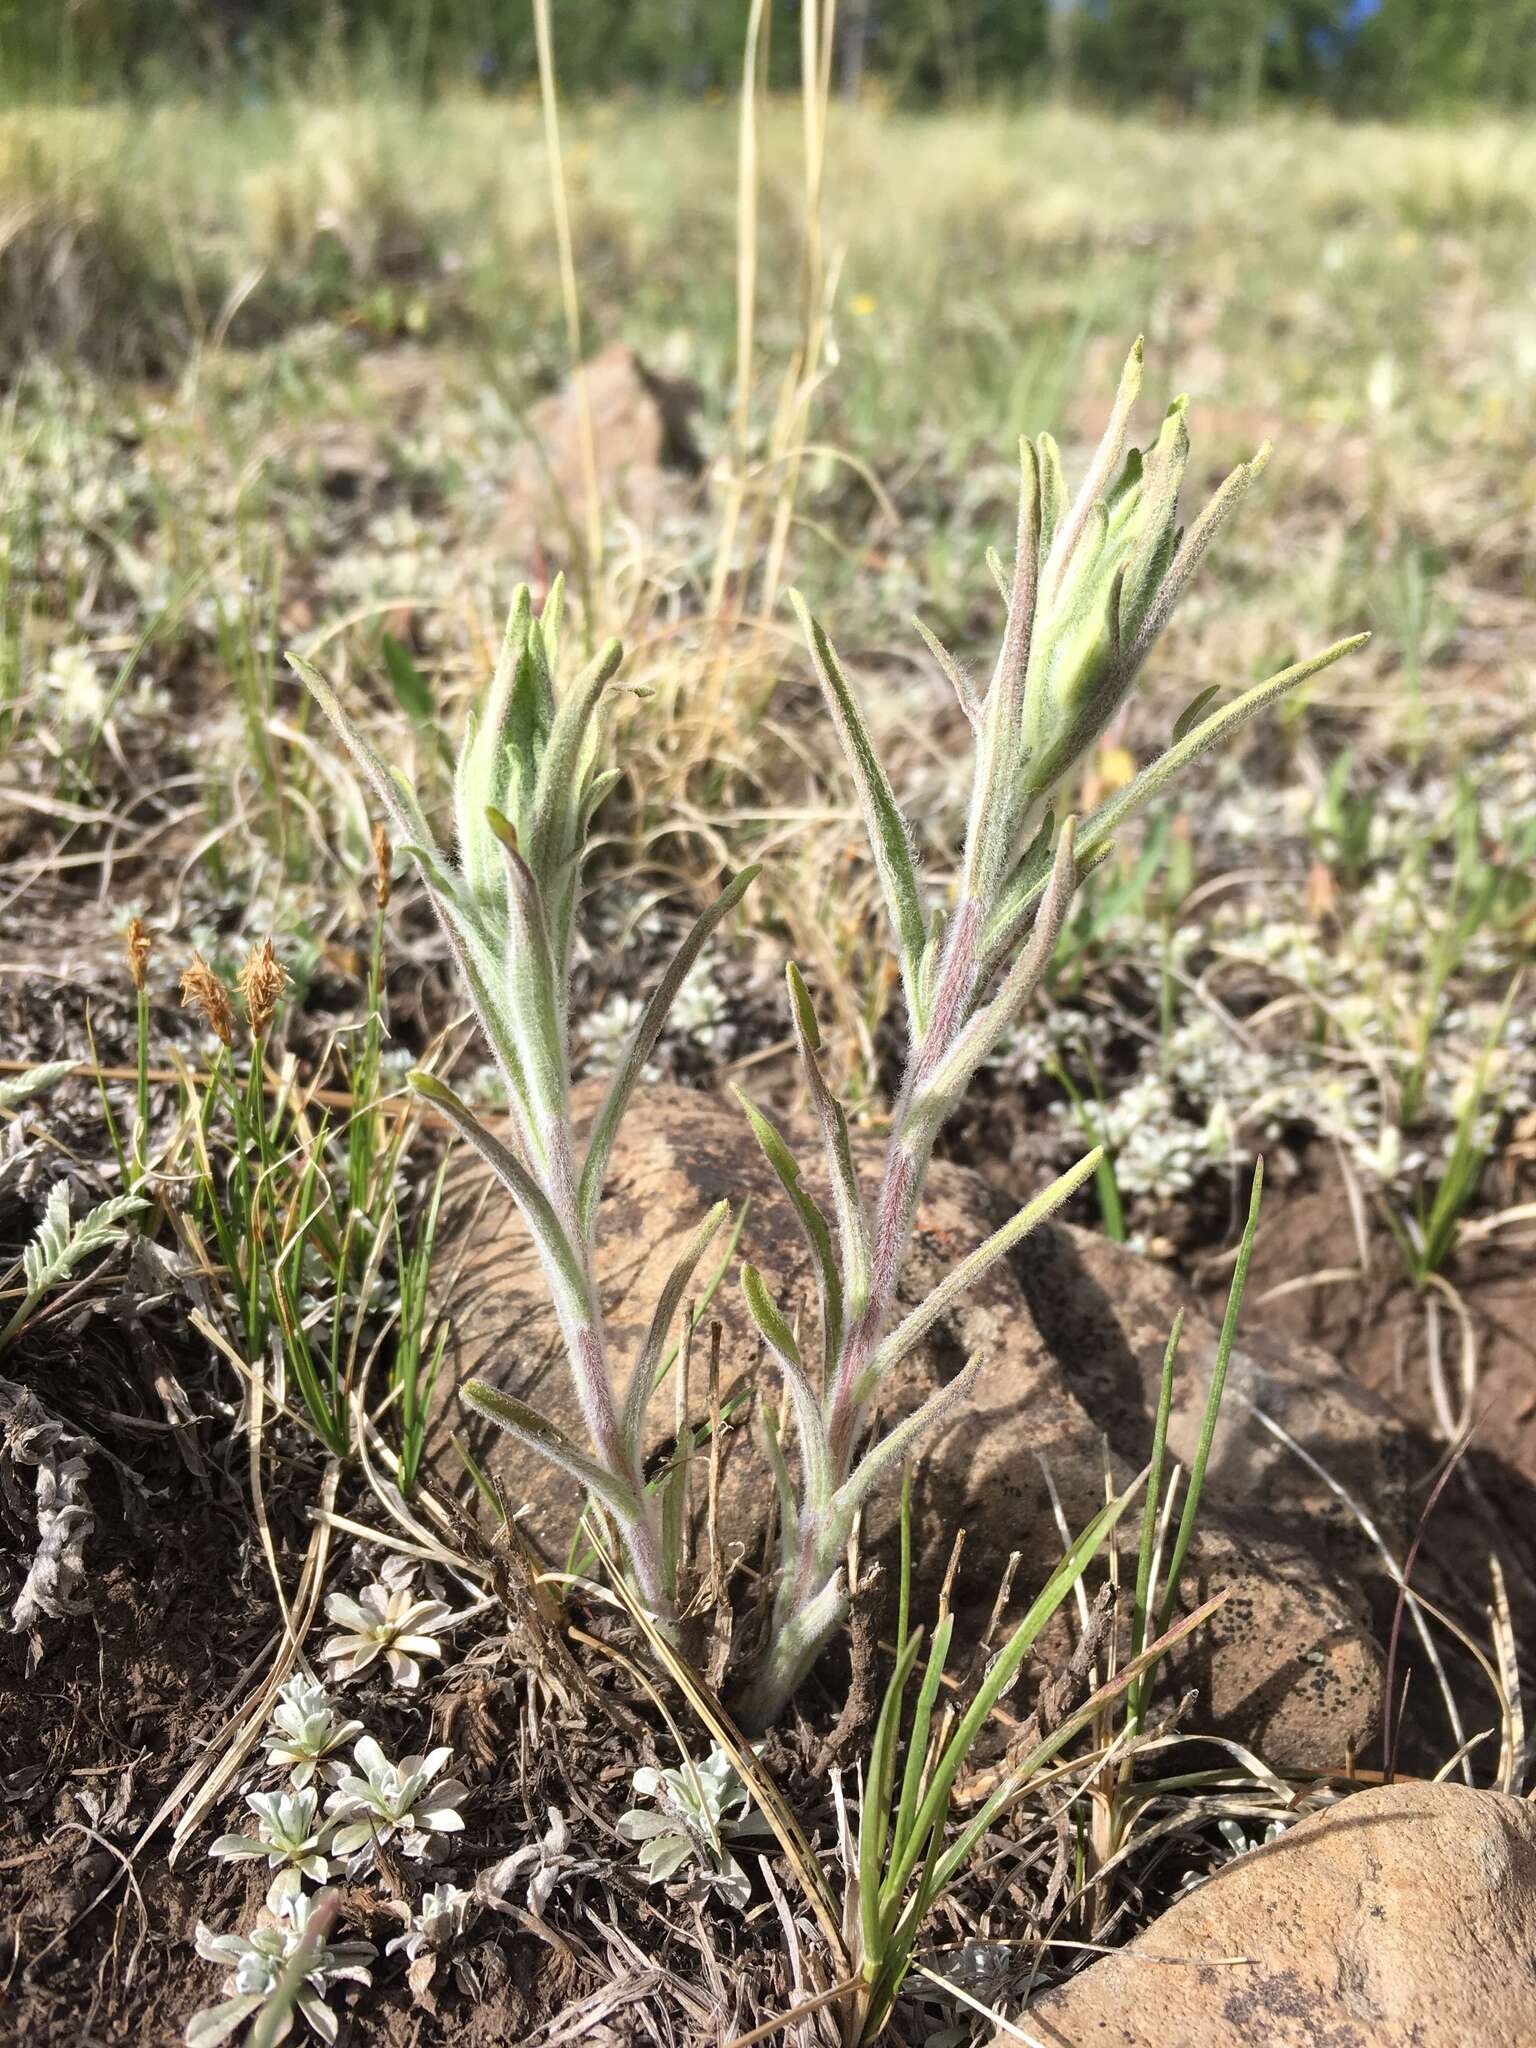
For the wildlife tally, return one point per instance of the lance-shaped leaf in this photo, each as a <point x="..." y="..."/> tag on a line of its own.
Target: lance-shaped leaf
<point x="889" y="839"/>
<point x="391" y="787"/>
<point x="780" y="1339"/>
<point x="642" y="1043"/>
<point x="813" y="1224"/>
<point x="485" y="773"/>
<point x="497" y="710"/>
<point x="1189" y="717"/>
<point x="1053" y="492"/>
<point x="558" y="798"/>
<point x="1000" y="790"/>
<point x="1191" y="550"/>
<point x="1007" y="683"/>
<point x="955" y="675"/>
<point x="852" y="1216"/>
<point x="1101" y="470"/>
<point x="643" y="1377"/>
<point x="1006" y="924"/>
<point x="789" y="1506"/>
<point x="561" y="1261"/>
<point x="1162" y="479"/>
<point x="1110" y="816"/>
<point x="541" y="1435"/>
<point x="909" y="1334"/>
<point x="534" y="991"/>
<point x="480" y="975"/>
<point x="884" y="1457"/>
<point x="600" y="787"/>
<point x="550" y="621"/>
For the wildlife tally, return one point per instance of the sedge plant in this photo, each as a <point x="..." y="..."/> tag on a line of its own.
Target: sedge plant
<point x="1095" y="580"/>
<point x="1117" y="1798"/>
<point x="302" y="1220"/>
<point x="907" y="1855"/>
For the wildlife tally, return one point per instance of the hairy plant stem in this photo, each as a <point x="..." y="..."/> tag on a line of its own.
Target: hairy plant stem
<point x="810" y="1602"/>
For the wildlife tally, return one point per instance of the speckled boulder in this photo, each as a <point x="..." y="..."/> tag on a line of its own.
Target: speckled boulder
<point x="1404" y="1917"/>
<point x="1072" y="1330"/>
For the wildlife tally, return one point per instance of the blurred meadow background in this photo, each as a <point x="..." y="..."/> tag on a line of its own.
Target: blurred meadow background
<point x="294" y="304"/>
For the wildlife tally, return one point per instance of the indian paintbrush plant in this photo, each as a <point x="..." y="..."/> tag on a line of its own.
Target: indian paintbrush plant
<point x="527" y="786"/>
<point x="1094" y="581"/>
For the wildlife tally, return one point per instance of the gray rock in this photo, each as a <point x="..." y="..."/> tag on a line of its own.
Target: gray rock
<point x="1403" y="1917"/>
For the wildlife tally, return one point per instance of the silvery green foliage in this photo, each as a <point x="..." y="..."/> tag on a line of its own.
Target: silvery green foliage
<point x="306" y="1729"/>
<point x="444" y="1913"/>
<point x="1094" y="581"/>
<point x="256" y="1963"/>
<point x="695" y="1814"/>
<point x="526" y="788"/>
<point x="18" y="1088"/>
<point x="381" y="1800"/>
<point x="389" y="1620"/>
<point x="51" y="1502"/>
<point x="288" y="1834"/>
<point x="62" y="1244"/>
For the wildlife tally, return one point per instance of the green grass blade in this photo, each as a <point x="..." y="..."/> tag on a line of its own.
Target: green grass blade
<point x="1213" y="1400"/>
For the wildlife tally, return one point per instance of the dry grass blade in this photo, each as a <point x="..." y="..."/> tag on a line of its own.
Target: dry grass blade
<point x="549" y="101"/>
<point x="770" y="1801"/>
<point x="802" y="2011"/>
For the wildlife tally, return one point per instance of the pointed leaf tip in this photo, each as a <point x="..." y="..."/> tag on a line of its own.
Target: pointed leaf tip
<point x="502" y="827"/>
<point x="805" y="1015"/>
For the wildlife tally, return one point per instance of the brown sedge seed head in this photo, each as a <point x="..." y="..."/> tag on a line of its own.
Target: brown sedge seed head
<point x="383" y="855"/>
<point x="202" y="990"/>
<point x="139" y="946"/>
<point x="261" y="982"/>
